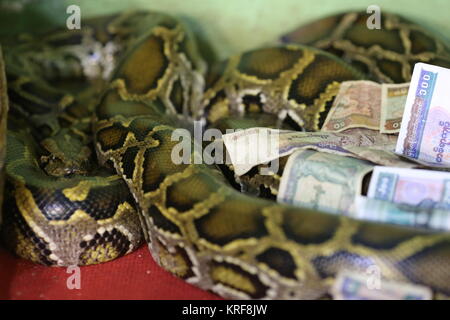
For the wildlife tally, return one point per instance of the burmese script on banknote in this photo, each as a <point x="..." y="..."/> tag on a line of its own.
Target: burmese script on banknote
<point x="425" y="129"/>
<point x="393" y="100"/>
<point x="350" y="285"/>
<point x="254" y="146"/>
<point x="402" y="214"/>
<point x="367" y="104"/>
<point x="357" y="105"/>
<point x="422" y="188"/>
<point x="322" y="181"/>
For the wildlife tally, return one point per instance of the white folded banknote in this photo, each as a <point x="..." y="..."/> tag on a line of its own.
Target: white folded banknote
<point x="425" y="129"/>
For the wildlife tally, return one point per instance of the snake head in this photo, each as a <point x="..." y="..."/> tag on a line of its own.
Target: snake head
<point x="68" y="154"/>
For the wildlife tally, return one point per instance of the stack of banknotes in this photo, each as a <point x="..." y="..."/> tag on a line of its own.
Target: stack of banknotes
<point x="395" y="135"/>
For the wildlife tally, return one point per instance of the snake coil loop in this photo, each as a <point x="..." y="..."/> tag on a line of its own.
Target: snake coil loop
<point x="137" y="75"/>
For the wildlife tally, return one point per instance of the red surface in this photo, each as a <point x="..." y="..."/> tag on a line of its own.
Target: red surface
<point x="135" y="276"/>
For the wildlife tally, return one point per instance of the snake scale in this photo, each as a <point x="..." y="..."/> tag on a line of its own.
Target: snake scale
<point x="89" y="169"/>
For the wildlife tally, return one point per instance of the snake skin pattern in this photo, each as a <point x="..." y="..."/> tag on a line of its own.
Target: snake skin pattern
<point x="386" y="55"/>
<point x="140" y="77"/>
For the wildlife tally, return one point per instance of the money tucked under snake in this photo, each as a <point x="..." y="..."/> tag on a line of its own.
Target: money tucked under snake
<point x="89" y="169"/>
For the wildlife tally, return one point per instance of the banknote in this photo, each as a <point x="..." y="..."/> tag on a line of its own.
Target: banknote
<point x="357" y="105"/>
<point x="367" y="104"/>
<point x="401" y="214"/>
<point x="422" y="188"/>
<point x="393" y="100"/>
<point x="322" y="181"/>
<point x="351" y="285"/>
<point x="250" y="147"/>
<point x="425" y="129"/>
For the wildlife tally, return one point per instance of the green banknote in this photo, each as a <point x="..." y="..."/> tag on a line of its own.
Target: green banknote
<point x="322" y="181"/>
<point x="401" y="214"/>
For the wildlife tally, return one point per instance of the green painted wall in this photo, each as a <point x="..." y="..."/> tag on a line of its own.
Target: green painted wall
<point x="231" y="25"/>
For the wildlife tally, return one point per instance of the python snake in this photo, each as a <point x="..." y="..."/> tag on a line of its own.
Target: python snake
<point x="122" y="84"/>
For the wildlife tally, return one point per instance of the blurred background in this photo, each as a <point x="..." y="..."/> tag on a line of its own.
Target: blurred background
<point x="226" y="26"/>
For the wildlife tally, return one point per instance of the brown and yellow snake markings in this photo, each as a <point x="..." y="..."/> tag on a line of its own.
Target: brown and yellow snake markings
<point x="64" y="208"/>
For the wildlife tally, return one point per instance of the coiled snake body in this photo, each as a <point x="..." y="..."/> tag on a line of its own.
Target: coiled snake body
<point x="64" y="209"/>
